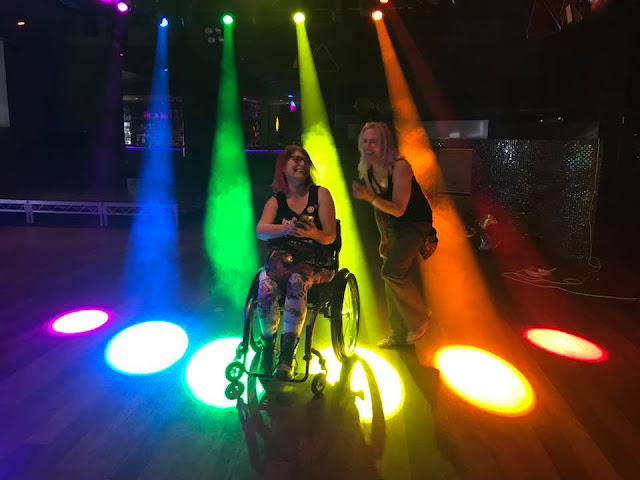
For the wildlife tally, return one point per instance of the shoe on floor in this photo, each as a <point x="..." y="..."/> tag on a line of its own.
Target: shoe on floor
<point x="389" y="342"/>
<point x="285" y="370"/>
<point x="414" y="335"/>
<point x="267" y="355"/>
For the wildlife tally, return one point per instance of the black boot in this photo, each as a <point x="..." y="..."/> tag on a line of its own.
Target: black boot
<point x="285" y="368"/>
<point x="267" y="355"/>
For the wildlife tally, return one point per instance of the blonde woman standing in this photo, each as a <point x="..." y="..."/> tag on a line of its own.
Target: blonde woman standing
<point x="404" y="219"/>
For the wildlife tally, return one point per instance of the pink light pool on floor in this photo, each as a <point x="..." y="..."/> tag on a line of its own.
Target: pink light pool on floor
<point x="79" y="321"/>
<point x="565" y="344"/>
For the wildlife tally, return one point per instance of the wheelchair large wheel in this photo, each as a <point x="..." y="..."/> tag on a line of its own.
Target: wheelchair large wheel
<point x="345" y="315"/>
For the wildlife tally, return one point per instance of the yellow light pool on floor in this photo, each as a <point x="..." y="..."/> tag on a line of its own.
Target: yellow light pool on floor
<point x="485" y="380"/>
<point x="389" y="383"/>
<point x="565" y="344"/>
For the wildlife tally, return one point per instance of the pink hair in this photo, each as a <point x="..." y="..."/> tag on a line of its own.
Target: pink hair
<point x="280" y="183"/>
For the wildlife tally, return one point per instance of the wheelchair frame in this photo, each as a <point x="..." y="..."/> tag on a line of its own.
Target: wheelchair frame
<point x="330" y="299"/>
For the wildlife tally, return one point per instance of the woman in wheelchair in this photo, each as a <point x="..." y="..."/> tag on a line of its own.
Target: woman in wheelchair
<point x="299" y="223"/>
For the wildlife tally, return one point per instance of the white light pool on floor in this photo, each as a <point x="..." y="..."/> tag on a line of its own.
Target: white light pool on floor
<point x="205" y="372"/>
<point x="146" y="348"/>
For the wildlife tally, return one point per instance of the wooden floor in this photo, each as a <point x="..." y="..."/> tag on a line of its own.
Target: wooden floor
<point x="64" y="414"/>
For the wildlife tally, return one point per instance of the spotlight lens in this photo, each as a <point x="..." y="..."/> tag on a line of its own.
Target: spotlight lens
<point x="377" y="15"/>
<point x="384" y="2"/>
<point x="164" y="23"/>
<point x="227" y="19"/>
<point x="122" y="7"/>
<point x="298" y="17"/>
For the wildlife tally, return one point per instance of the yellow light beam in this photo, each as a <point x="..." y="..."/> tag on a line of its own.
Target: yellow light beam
<point x="319" y="142"/>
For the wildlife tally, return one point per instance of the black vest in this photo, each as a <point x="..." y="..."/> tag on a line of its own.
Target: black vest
<point x="285" y="214"/>
<point x="302" y="249"/>
<point x="418" y="208"/>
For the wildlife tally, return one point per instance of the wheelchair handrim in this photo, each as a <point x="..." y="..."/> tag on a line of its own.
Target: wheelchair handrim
<point x="346" y="323"/>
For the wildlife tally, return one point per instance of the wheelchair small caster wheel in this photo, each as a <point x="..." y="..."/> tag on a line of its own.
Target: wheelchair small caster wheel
<point x="234" y="390"/>
<point x="318" y="383"/>
<point x="234" y="371"/>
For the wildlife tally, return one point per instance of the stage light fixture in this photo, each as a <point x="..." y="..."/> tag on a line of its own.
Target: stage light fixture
<point x="227" y="19"/>
<point x="363" y="105"/>
<point x="21" y="23"/>
<point x="164" y="22"/>
<point x="384" y="2"/>
<point x="212" y="35"/>
<point x="377" y="15"/>
<point x="299" y="17"/>
<point x="123" y="7"/>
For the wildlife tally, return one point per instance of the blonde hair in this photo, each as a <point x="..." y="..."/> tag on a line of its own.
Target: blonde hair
<point x="388" y="145"/>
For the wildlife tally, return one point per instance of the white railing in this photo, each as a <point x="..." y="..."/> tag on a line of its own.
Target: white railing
<point x="103" y="210"/>
<point x="133" y="209"/>
<point x="66" y="208"/>
<point x="17" y="206"/>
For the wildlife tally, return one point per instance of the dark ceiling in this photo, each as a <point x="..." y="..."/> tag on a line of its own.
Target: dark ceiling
<point x="479" y="51"/>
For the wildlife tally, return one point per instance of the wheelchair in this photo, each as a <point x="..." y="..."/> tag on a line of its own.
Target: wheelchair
<point x="338" y="301"/>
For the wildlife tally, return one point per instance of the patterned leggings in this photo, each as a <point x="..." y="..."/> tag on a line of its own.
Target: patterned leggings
<point x="295" y="304"/>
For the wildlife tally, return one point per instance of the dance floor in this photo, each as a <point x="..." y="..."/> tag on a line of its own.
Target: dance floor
<point x="65" y="413"/>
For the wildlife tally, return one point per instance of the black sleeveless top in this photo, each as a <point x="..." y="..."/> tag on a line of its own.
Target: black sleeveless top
<point x="285" y="214"/>
<point x="418" y="208"/>
<point x="302" y="249"/>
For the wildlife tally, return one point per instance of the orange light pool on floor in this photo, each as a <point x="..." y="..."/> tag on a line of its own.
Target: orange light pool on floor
<point x="485" y="380"/>
<point x="565" y="344"/>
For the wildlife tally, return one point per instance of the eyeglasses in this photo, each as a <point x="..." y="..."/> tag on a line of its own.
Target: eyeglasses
<point x="298" y="159"/>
